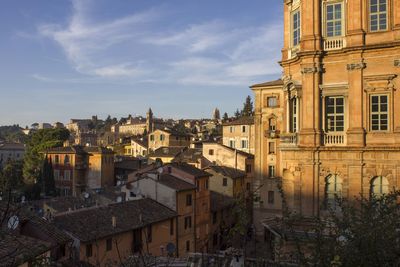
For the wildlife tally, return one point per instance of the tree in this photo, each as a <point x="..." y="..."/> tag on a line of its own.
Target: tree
<point x="48" y="182"/>
<point x="37" y="144"/>
<point x="225" y="117"/>
<point x="360" y="232"/>
<point x="237" y="114"/>
<point x="11" y="176"/>
<point x="247" y="107"/>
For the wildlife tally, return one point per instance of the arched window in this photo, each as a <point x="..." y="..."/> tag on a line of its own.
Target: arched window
<point x="333" y="189"/>
<point x="379" y="186"/>
<point x="66" y="159"/>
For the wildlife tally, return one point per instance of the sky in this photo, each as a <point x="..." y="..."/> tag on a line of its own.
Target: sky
<point x="63" y="59"/>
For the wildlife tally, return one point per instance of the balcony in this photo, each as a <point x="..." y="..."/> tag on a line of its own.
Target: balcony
<point x="288" y="139"/>
<point x="272" y="134"/>
<point x="334" y="43"/>
<point x="335" y="139"/>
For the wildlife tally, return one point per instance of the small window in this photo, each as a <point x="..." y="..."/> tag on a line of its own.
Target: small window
<point x="211" y="152"/>
<point x="162" y="137"/>
<point x="272" y="102"/>
<point x="214" y="220"/>
<point x="377" y="15"/>
<point x="197" y="186"/>
<point x="149" y="233"/>
<point x="271" y="171"/>
<point x="66" y="160"/>
<point x="206" y="184"/>
<point x="231" y="129"/>
<point x="189" y="200"/>
<point x="271" y="197"/>
<point x="224" y="182"/>
<point x="171" y="227"/>
<point x="151" y="137"/>
<point x="89" y="250"/>
<point x="187" y="246"/>
<point x="188" y="222"/>
<point x="271" y="147"/>
<point x="248" y="168"/>
<point x="67" y="175"/>
<point x="335" y="114"/>
<point x="272" y="124"/>
<point x="232" y="143"/>
<point x="245" y="143"/>
<point x="243" y="128"/>
<point x="109" y="244"/>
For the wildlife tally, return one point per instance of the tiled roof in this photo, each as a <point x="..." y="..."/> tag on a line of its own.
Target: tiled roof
<point x="189" y="155"/>
<point x="142" y="142"/>
<point x="241" y="121"/>
<point x="167" y="151"/>
<point x="270" y="83"/>
<point x="175" y="183"/>
<point x="94" y="223"/>
<point x="197" y="173"/>
<point x="220" y="201"/>
<point x="98" y="149"/>
<point x="67" y="150"/>
<point x="18" y="249"/>
<point x="12" y="146"/>
<point x="173" y="132"/>
<point x="232" y="149"/>
<point x="227" y="171"/>
<point x="62" y="204"/>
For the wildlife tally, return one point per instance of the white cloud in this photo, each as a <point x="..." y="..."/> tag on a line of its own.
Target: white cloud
<point x="211" y="53"/>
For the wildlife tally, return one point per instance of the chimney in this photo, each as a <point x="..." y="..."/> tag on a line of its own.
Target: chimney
<point x="114" y="221"/>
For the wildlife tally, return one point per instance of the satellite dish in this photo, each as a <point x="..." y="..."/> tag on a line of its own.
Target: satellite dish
<point x="86" y="195"/>
<point x="13" y="222"/>
<point x="160" y="170"/>
<point x="119" y="199"/>
<point x="171" y="248"/>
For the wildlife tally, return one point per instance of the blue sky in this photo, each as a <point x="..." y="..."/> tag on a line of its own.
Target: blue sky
<point x="62" y="59"/>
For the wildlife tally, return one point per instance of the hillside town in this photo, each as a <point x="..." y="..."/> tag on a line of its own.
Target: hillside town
<point x="305" y="173"/>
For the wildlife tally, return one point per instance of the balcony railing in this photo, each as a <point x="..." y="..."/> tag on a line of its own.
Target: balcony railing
<point x="334" y="139"/>
<point x="334" y="43"/>
<point x="288" y="138"/>
<point x="271" y="134"/>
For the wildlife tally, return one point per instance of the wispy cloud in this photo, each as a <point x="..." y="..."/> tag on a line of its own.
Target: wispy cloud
<point x="139" y="48"/>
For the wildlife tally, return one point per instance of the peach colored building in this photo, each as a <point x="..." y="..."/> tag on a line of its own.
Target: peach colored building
<point x="239" y="134"/>
<point x="340" y="130"/>
<point x="166" y="137"/>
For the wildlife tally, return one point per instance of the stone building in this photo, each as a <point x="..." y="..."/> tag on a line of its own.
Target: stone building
<point x="239" y="134"/>
<point x="340" y="129"/>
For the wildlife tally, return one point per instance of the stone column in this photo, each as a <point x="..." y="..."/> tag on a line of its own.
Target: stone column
<point x="356" y="131"/>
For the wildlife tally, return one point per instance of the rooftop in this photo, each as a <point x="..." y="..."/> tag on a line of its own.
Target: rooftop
<point x="278" y="82"/>
<point x="175" y="183"/>
<point x="167" y="151"/>
<point x="95" y="223"/>
<point x="12" y="146"/>
<point x="227" y="171"/>
<point x="241" y="121"/>
<point x="190" y="169"/>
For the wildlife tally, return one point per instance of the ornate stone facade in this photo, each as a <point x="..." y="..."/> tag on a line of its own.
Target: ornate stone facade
<point x="340" y="128"/>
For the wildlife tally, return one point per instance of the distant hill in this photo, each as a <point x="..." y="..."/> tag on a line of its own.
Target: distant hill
<point x="12" y="133"/>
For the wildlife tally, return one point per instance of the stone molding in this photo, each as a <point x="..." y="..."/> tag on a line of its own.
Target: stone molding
<point x="311" y="70"/>
<point x="356" y="66"/>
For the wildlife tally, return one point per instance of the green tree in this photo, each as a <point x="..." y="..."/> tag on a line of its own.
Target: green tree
<point x="225" y="117"/>
<point x="237" y="114"/>
<point x="247" y="107"/>
<point x="47" y="180"/>
<point x="37" y="144"/>
<point x="11" y="176"/>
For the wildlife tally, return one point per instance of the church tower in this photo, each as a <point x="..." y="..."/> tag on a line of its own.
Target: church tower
<point x="149" y="121"/>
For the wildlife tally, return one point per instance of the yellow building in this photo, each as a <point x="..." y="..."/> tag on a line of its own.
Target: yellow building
<point x="340" y="130"/>
<point x="239" y="134"/>
<point x="166" y="137"/>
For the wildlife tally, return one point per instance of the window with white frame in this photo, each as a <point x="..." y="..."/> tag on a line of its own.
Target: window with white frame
<point x="296" y="28"/>
<point x="293" y="115"/>
<point x="378" y="15"/>
<point x="245" y="143"/>
<point x="67" y="175"/>
<point x="334" y="113"/>
<point x="232" y="143"/>
<point x="334" y="19"/>
<point x="231" y="129"/>
<point x="333" y="190"/>
<point x="379" y="186"/>
<point x="379" y="113"/>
